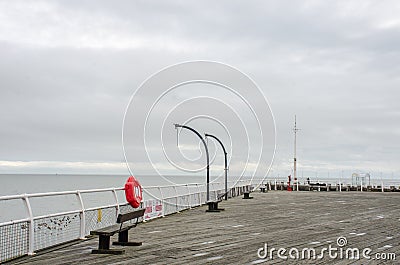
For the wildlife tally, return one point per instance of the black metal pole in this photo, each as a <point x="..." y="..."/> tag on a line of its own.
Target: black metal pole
<point x="208" y="158"/>
<point x="226" y="163"/>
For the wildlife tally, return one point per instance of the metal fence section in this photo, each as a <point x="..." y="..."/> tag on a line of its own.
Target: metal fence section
<point x="32" y="233"/>
<point x="13" y="240"/>
<point x="98" y="218"/>
<point x="50" y="231"/>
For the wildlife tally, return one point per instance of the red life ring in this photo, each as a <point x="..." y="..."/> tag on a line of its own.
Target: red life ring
<point x="133" y="192"/>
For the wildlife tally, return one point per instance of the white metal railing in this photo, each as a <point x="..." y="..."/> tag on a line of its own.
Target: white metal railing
<point x="375" y="184"/>
<point x="34" y="232"/>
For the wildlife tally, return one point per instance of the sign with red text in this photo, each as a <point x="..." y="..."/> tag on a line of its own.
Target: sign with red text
<point x="154" y="209"/>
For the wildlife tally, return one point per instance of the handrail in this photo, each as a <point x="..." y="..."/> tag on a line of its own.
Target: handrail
<point x="73" y="192"/>
<point x="54" y="193"/>
<point x="14" y="222"/>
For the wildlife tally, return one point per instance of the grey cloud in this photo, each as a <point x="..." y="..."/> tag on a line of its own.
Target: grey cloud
<point x="68" y="68"/>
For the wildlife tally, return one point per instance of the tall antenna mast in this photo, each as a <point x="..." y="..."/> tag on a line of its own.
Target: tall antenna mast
<point x="295" y="130"/>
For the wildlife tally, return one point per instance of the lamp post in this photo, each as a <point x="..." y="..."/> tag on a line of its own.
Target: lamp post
<point x="226" y="163"/>
<point x="208" y="158"/>
<point x="295" y="130"/>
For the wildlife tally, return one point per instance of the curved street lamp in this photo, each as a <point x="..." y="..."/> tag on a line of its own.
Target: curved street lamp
<point x="226" y="163"/>
<point x="208" y="158"/>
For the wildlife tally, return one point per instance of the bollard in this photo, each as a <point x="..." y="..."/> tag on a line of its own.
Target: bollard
<point x="246" y="195"/>
<point x="213" y="207"/>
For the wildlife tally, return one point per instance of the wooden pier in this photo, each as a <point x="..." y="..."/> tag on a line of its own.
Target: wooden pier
<point x="279" y="218"/>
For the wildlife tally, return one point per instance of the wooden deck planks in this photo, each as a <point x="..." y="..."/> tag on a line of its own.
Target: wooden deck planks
<point x="279" y="218"/>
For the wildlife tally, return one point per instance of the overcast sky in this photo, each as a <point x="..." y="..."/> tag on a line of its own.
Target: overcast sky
<point x="68" y="69"/>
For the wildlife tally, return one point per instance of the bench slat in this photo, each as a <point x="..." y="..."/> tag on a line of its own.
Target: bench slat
<point x="112" y="229"/>
<point x="129" y="216"/>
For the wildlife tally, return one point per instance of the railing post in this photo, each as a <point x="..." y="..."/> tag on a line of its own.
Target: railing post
<point x="361" y="186"/>
<point x="82" y="216"/>
<point x="176" y="196"/>
<point x="199" y="194"/>
<point x="190" y="204"/>
<point x="162" y="201"/>
<point x="213" y="190"/>
<point x="275" y="185"/>
<point x="31" y="235"/>
<point x="116" y="201"/>
<point x="383" y="189"/>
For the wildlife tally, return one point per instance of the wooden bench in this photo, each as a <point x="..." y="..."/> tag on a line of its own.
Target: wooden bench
<point x="246" y="195"/>
<point x="122" y="229"/>
<point x="213" y="205"/>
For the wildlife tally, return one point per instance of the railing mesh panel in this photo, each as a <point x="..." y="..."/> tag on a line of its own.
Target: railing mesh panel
<point x="100" y="218"/>
<point x="183" y="202"/>
<point x="13" y="241"/>
<point x="195" y="199"/>
<point x="50" y="231"/>
<point x="170" y="206"/>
